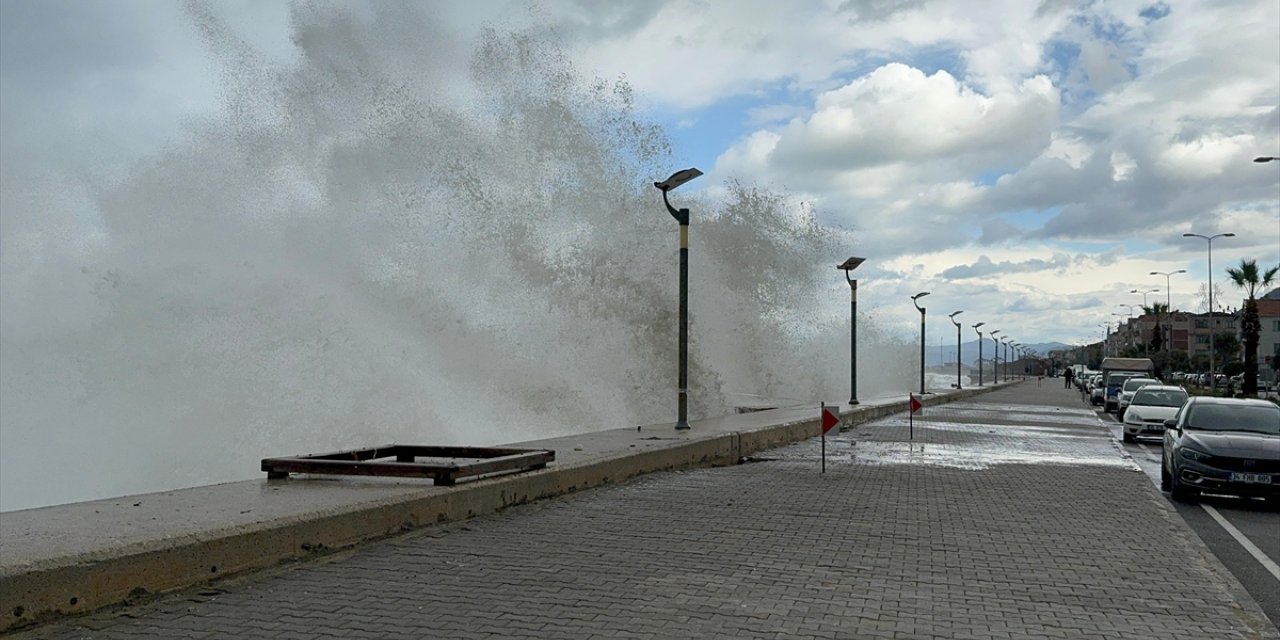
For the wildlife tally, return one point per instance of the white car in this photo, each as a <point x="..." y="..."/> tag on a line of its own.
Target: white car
<point x="1149" y="407"/>
<point x="1097" y="392"/>
<point x="1125" y="394"/>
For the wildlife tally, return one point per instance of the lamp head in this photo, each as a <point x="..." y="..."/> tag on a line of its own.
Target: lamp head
<point x="978" y="325"/>
<point x="850" y="264"/>
<point x="920" y="295"/>
<point x="1261" y="159"/>
<point x="678" y="178"/>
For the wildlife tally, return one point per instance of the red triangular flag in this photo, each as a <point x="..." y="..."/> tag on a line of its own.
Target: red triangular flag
<point x="830" y="418"/>
<point x="915" y="404"/>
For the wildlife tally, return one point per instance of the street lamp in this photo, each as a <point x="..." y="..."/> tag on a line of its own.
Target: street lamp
<point x="1168" y="307"/>
<point x="1265" y="159"/>
<point x="975" y="330"/>
<point x="847" y="266"/>
<point x="682" y="217"/>
<point x="921" y="310"/>
<point x="1213" y="383"/>
<point x="1005" y="340"/>
<point x="953" y="315"/>
<point x="1128" y="331"/>
<point x="995" y="359"/>
<point x="1144" y="296"/>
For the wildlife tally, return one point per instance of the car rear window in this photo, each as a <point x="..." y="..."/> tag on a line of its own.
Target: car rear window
<point x="1160" y="398"/>
<point x="1260" y="418"/>
<point x="1133" y="383"/>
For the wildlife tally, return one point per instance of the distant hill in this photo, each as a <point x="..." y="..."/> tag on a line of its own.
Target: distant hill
<point x="947" y="353"/>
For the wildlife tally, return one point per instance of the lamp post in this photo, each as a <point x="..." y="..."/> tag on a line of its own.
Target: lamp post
<point x="1168" y="308"/>
<point x="976" y="328"/>
<point x="995" y="358"/>
<point x="682" y="217"/>
<point x="1004" y="341"/>
<point x="847" y="266"/>
<point x="1128" y="333"/>
<point x="921" y="310"/>
<point x="953" y="315"/>
<point x="1144" y="296"/>
<point x="1213" y="383"/>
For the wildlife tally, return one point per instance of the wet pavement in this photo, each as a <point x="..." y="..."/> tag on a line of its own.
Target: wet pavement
<point x="1012" y="515"/>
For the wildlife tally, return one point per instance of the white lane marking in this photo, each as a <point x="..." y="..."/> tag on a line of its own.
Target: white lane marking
<point x="1267" y="563"/>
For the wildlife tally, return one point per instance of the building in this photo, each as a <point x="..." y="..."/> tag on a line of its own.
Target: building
<point x="1269" y="336"/>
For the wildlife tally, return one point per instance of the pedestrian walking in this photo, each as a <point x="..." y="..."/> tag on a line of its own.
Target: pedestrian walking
<point x="1067" y="377"/>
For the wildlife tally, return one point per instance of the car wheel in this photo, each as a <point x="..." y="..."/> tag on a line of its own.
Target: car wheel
<point x="1127" y="437"/>
<point x="1164" y="479"/>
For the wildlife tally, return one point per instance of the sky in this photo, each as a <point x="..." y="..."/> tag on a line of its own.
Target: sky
<point x="1028" y="163"/>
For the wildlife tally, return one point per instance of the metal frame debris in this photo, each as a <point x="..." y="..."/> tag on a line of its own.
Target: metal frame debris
<point x="446" y="465"/>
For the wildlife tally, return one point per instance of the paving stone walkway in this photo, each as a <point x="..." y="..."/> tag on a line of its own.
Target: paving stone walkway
<point x="1013" y="515"/>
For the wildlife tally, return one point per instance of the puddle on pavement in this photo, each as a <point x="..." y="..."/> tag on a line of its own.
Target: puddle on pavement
<point x="972" y="439"/>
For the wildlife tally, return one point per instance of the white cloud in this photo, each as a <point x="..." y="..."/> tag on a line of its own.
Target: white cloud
<point x="897" y="113"/>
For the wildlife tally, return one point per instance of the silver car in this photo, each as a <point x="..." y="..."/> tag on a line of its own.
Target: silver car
<point x="1125" y="396"/>
<point x="1149" y="408"/>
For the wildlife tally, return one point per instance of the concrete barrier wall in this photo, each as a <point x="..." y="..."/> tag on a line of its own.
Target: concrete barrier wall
<point x="79" y="584"/>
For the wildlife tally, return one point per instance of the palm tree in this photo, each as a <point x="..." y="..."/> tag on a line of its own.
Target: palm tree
<point x="1159" y="310"/>
<point x="1247" y="277"/>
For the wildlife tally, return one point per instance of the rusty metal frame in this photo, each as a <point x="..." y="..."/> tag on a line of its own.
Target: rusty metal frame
<point x="448" y="464"/>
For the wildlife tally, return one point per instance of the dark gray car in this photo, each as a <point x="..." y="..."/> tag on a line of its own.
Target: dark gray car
<point x="1222" y="446"/>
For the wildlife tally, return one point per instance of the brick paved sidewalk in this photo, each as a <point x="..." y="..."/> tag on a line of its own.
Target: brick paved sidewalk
<point x="964" y="532"/>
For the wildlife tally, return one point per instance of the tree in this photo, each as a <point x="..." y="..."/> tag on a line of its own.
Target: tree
<point x="1159" y="310"/>
<point x="1247" y="277"/>
<point x="1202" y="297"/>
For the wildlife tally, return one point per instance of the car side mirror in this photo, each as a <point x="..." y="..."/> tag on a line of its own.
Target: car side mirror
<point x="1171" y="424"/>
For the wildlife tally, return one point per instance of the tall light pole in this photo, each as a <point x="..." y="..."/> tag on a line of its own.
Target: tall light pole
<point x="847" y="266"/>
<point x="995" y="359"/>
<point x="976" y="328"/>
<point x="1213" y="383"/>
<point x="953" y="315"/>
<point x="1168" y="308"/>
<point x="1128" y="331"/>
<point x="682" y="217"/>
<point x="921" y="310"/>
<point x="1144" y="296"/>
<point x="1005" y="340"/>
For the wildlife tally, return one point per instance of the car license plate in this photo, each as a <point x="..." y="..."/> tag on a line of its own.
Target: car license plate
<point x="1251" y="478"/>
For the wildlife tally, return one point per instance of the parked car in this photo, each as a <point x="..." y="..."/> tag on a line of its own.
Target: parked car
<point x="1222" y="446"/>
<point x="1126" y="393"/>
<point x="1149" y="408"/>
<point x="1112" y="384"/>
<point x="1097" y="392"/>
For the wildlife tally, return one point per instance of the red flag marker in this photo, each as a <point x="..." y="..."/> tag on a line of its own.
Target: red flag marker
<point x="915" y="405"/>
<point x="830" y="418"/>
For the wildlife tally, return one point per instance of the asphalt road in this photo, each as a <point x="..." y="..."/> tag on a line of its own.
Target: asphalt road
<point x="1243" y="534"/>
